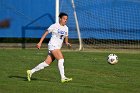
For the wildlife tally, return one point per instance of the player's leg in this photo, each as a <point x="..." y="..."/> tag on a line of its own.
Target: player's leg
<point x="59" y="56"/>
<point x="47" y="62"/>
<point x="44" y="64"/>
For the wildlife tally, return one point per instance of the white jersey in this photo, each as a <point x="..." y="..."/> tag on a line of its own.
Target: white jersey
<point x="58" y="34"/>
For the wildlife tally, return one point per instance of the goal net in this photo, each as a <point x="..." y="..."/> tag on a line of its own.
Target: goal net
<point x="104" y="23"/>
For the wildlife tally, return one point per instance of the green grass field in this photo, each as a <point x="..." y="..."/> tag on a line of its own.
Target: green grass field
<point x="90" y="72"/>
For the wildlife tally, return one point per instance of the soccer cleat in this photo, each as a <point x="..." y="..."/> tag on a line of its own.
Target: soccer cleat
<point x="66" y="80"/>
<point x="29" y="75"/>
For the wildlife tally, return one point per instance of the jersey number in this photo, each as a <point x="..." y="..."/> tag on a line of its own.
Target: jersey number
<point x="61" y="36"/>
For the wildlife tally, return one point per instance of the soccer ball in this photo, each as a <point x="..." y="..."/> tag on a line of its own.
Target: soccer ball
<point x="112" y="59"/>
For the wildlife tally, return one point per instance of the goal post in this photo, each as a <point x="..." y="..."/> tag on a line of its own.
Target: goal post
<point x="58" y="8"/>
<point x="104" y="24"/>
<point x="77" y="26"/>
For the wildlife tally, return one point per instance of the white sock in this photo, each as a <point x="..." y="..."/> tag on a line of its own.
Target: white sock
<point x="39" y="67"/>
<point x="61" y="67"/>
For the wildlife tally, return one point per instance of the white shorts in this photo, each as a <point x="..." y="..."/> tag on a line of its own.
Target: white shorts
<point x="52" y="47"/>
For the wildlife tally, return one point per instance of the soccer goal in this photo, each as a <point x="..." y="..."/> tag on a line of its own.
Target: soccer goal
<point x="103" y="24"/>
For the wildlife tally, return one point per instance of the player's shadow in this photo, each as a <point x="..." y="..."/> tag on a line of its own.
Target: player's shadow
<point x="25" y="78"/>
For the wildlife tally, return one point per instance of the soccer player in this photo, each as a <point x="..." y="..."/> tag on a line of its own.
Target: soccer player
<point x="59" y="32"/>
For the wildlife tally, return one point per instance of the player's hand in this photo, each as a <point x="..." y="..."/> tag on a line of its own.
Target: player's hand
<point x="38" y="45"/>
<point x="68" y="45"/>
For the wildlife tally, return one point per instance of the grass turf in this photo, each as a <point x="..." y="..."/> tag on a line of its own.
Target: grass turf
<point x="90" y="72"/>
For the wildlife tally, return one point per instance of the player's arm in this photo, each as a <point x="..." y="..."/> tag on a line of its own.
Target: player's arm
<point x="66" y="41"/>
<point x="42" y="38"/>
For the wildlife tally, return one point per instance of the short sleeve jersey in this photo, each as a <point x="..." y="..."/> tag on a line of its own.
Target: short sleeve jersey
<point x="58" y="34"/>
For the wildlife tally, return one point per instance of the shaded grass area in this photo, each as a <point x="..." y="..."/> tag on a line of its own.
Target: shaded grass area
<point x="90" y="72"/>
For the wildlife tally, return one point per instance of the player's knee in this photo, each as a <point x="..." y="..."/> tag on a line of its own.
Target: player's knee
<point x="45" y="64"/>
<point x="61" y="61"/>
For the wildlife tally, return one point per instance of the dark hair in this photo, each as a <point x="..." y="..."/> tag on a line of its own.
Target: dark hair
<point x="62" y="14"/>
